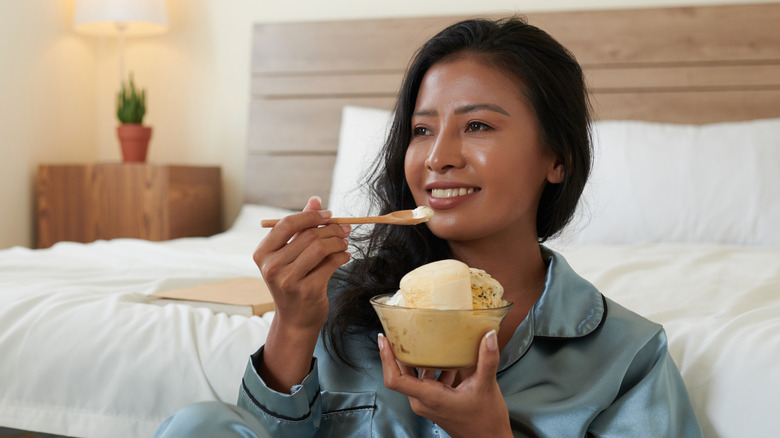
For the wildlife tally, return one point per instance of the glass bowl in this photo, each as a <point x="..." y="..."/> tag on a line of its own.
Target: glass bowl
<point x="436" y="338"/>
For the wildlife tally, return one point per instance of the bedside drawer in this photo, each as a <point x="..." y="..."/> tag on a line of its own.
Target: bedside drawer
<point x="83" y="203"/>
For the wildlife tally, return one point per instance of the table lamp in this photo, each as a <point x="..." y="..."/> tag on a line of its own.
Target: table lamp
<point x="121" y="18"/>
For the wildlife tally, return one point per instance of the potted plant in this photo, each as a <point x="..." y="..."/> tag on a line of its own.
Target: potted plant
<point x="130" y="110"/>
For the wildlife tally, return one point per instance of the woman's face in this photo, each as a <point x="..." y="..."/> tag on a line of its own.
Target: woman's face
<point x="475" y="156"/>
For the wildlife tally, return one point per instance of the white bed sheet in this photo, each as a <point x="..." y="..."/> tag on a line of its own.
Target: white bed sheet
<point x="83" y="353"/>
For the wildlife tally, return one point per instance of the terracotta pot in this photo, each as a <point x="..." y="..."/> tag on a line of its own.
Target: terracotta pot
<point x="134" y="139"/>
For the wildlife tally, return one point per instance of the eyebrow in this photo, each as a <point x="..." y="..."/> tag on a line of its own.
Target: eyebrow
<point x="480" y="107"/>
<point x="466" y="109"/>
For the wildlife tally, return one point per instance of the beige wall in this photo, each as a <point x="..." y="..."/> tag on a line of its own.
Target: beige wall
<point x="47" y="103"/>
<point x="58" y="87"/>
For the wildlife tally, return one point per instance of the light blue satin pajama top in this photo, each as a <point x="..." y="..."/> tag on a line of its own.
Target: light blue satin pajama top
<point x="580" y="365"/>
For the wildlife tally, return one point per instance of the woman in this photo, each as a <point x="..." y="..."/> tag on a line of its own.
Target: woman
<point x="491" y="131"/>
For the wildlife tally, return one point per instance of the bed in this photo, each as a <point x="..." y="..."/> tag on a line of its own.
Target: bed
<point x="679" y="222"/>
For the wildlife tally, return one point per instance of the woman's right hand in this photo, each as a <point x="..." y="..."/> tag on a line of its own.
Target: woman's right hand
<point x="296" y="259"/>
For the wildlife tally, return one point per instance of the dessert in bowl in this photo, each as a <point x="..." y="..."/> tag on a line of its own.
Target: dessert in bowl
<point x="440" y="314"/>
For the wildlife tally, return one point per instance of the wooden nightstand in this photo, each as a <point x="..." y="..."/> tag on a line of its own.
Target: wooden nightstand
<point x="87" y="202"/>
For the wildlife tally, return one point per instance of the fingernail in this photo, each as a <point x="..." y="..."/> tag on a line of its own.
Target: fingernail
<point x="379" y="341"/>
<point x="316" y="198"/>
<point x="490" y="338"/>
<point x="325" y="213"/>
<point x="345" y="228"/>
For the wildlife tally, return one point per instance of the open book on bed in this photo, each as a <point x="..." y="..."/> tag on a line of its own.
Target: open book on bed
<point x="242" y="296"/>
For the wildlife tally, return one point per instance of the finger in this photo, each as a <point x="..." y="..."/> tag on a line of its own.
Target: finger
<point x="487" y="362"/>
<point x="405" y="381"/>
<point x="402" y="368"/>
<point x="447" y="377"/>
<point x="426" y="374"/>
<point x="311" y="247"/>
<point x="312" y="261"/>
<point x="392" y="370"/>
<point x="406" y="369"/>
<point x="320" y="274"/>
<point x="291" y="225"/>
<point x="314" y="203"/>
<point x="305" y="238"/>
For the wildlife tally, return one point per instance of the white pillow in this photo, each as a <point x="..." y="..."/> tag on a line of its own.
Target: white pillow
<point x="717" y="183"/>
<point x="362" y="135"/>
<point x="651" y="182"/>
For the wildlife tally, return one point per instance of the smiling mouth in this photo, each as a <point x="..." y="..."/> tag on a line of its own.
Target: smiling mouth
<point x="452" y="193"/>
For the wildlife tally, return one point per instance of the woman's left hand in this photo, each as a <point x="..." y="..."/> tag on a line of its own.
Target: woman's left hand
<point x="472" y="407"/>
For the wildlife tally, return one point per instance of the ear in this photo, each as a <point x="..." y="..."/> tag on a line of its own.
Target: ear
<point x="556" y="173"/>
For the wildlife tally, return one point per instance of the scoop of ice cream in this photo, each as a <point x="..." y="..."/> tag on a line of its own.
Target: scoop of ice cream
<point x="448" y="284"/>
<point x="486" y="291"/>
<point x="396" y="300"/>
<point x="445" y="284"/>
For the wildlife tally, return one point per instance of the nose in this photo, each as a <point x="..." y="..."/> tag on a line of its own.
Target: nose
<point x="446" y="152"/>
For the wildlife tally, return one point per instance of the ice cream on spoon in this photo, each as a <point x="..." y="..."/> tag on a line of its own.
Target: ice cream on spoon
<point x="401" y="217"/>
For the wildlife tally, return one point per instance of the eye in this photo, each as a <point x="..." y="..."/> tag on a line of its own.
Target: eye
<point x="418" y="131"/>
<point x="477" y="126"/>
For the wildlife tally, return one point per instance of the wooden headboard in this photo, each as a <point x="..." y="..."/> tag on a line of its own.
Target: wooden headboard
<point x="678" y="65"/>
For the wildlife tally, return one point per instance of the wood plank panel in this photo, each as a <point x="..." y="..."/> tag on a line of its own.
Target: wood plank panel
<point x="688" y="107"/>
<point x="664" y="35"/>
<point x="599" y="78"/>
<point x="384" y="84"/>
<point x="346" y="46"/>
<point x="653" y="35"/>
<point x="684" y="77"/>
<point x="288" y="181"/>
<point x="667" y="35"/>
<point x="301" y="125"/>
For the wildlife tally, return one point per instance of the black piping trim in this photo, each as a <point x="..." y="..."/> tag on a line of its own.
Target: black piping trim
<point x="595" y="329"/>
<point x="273" y="414"/>
<point x="354" y="408"/>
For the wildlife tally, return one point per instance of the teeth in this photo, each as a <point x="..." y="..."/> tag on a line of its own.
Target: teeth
<point x="451" y="193"/>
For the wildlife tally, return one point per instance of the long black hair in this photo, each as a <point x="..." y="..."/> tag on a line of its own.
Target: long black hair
<point x="554" y="85"/>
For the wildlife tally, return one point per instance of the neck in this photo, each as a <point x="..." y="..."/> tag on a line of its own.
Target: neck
<point x="519" y="268"/>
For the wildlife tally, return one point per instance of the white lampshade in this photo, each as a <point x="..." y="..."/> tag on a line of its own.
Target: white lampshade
<point x="130" y="17"/>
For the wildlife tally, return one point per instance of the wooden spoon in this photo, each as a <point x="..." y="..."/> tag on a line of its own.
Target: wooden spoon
<point x="402" y="217"/>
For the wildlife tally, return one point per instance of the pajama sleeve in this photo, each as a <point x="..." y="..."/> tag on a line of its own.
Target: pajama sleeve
<point x="295" y="414"/>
